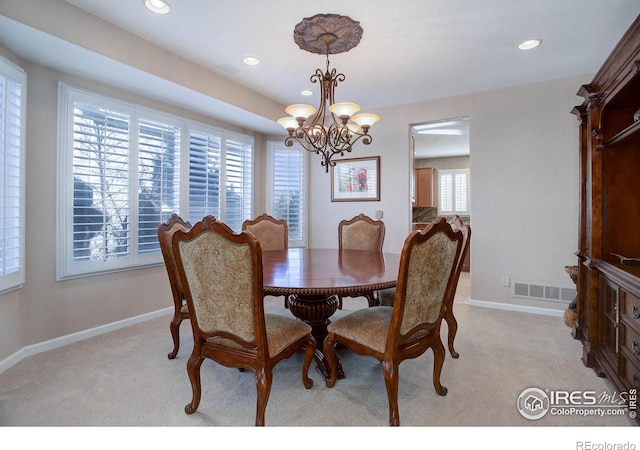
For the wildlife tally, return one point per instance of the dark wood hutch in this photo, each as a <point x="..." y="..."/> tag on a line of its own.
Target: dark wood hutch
<point x="608" y="303"/>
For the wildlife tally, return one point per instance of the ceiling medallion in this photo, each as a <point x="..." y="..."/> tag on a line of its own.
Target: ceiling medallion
<point x="327" y="34"/>
<point x="317" y="131"/>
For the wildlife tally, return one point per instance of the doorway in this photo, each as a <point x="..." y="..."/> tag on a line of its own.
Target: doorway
<point x="441" y="172"/>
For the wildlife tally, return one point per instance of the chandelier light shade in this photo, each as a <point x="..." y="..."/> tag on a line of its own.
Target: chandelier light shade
<point x="331" y="129"/>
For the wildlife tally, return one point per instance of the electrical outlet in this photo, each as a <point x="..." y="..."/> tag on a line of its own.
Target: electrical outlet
<point x="379" y="214"/>
<point x="506" y="281"/>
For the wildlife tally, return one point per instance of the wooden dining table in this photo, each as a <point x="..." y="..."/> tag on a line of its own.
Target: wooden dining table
<point x="311" y="279"/>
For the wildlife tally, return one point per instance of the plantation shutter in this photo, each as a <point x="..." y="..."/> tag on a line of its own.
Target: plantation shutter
<point x="12" y="128"/>
<point x="159" y="180"/>
<point x="461" y="192"/>
<point x="204" y="175"/>
<point x="454" y="191"/>
<point x="446" y="193"/>
<point x="288" y="190"/>
<point x="238" y="183"/>
<point x="100" y="183"/>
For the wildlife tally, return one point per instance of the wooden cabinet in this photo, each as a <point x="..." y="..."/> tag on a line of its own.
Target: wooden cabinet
<point x="608" y="321"/>
<point x="618" y="354"/>
<point x="424" y="185"/>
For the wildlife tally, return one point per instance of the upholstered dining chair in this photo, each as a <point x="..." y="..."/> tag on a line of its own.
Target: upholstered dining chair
<point x="412" y="325"/>
<point x="361" y="233"/>
<point x="180" y="309"/>
<point x="387" y="296"/>
<point x="272" y="233"/>
<point x="221" y="273"/>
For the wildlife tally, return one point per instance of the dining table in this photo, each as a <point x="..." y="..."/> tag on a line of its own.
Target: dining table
<point x="311" y="279"/>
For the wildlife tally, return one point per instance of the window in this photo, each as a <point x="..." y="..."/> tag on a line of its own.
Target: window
<point x="454" y="191"/>
<point x="213" y="158"/>
<point x="126" y="169"/>
<point x="13" y="83"/>
<point x="286" y="198"/>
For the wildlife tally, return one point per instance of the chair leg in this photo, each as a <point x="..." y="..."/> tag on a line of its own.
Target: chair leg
<point x="193" y="369"/>
<point x="174" y="327"/>
<point x="264" y="378"/>
<point x="390" y="369"/>
<point x="438" y="361"/>
<point x="309" y="351"/>
<point x="452" y="325"/>
<point x="329" y="349"/>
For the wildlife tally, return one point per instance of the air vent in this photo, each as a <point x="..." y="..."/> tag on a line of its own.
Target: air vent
<point x="541" y="292"/>
<point x="568" y="295"/>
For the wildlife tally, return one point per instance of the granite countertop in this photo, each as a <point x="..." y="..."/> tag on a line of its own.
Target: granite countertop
<point x="425" y="215"/>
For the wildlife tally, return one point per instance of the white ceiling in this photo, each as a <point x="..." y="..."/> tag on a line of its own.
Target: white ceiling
<point x="442" y="138"/>
<point x="411" y="50"/>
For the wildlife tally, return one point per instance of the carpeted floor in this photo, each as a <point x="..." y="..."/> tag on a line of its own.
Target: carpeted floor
<point x="124" y="378"/>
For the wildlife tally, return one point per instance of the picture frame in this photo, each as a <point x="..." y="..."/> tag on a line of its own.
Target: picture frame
<point x="356" y="180"/>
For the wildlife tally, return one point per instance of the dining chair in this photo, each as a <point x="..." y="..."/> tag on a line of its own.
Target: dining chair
<point x="412" y="325"/>
<point x="221" y="273"/>
<point x="272" y="233"/>
<point x="361" y="233"/>
<point x="180" y="310"/>
<point x="387" y="296"/>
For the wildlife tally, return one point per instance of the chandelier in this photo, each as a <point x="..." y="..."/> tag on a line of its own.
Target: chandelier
<point x="332" y="129"/>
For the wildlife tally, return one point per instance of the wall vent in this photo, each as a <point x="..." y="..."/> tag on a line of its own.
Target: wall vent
<point x="541" y="292"/>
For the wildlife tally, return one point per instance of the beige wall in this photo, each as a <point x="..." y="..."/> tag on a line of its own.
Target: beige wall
<point x="524" y="184"/>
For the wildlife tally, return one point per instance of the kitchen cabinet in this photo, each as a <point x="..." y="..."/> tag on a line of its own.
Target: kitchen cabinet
<point x="424" y="186"/>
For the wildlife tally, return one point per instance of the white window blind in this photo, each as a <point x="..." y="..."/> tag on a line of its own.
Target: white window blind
<point x="159" y="180"/>
<point x="100" y="166"/>
<point x="238" y="183"/>
<point x="220" y="176"/>
<point x="125" y="169"/>
<point x="454" y="191"/>
<point x="12" y="171"/>
<point x="205" y="165"/>
<point x="287" y="189"/>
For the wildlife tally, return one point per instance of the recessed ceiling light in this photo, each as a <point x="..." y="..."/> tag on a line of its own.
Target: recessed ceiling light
<point x="157" y="6"/>
<point x="306" y="92"/>
<point x="528" y="45"/>
<point x="251" y="60"/>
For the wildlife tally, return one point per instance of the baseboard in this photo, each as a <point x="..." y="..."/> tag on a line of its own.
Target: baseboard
<point x="79" y="336"/>
<point x="517" y="308"/>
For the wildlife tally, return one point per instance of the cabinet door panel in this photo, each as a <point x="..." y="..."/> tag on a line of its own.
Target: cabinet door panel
<point x="424" y="187"/>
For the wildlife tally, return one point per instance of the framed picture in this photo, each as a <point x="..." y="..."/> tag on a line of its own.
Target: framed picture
<point x="356" y="180"/>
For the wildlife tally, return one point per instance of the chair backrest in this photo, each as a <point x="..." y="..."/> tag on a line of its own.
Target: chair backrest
<point x="221" y="272"/>
<point x="427" y="268"/>
<point x="165" y="235"/>
<point x="457" y="224"/>
<point x="361" y="233"/>
<point x="272" y="233"/>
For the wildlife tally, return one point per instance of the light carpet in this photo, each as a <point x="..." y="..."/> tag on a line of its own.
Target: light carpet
<point x="123" y="378"/>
